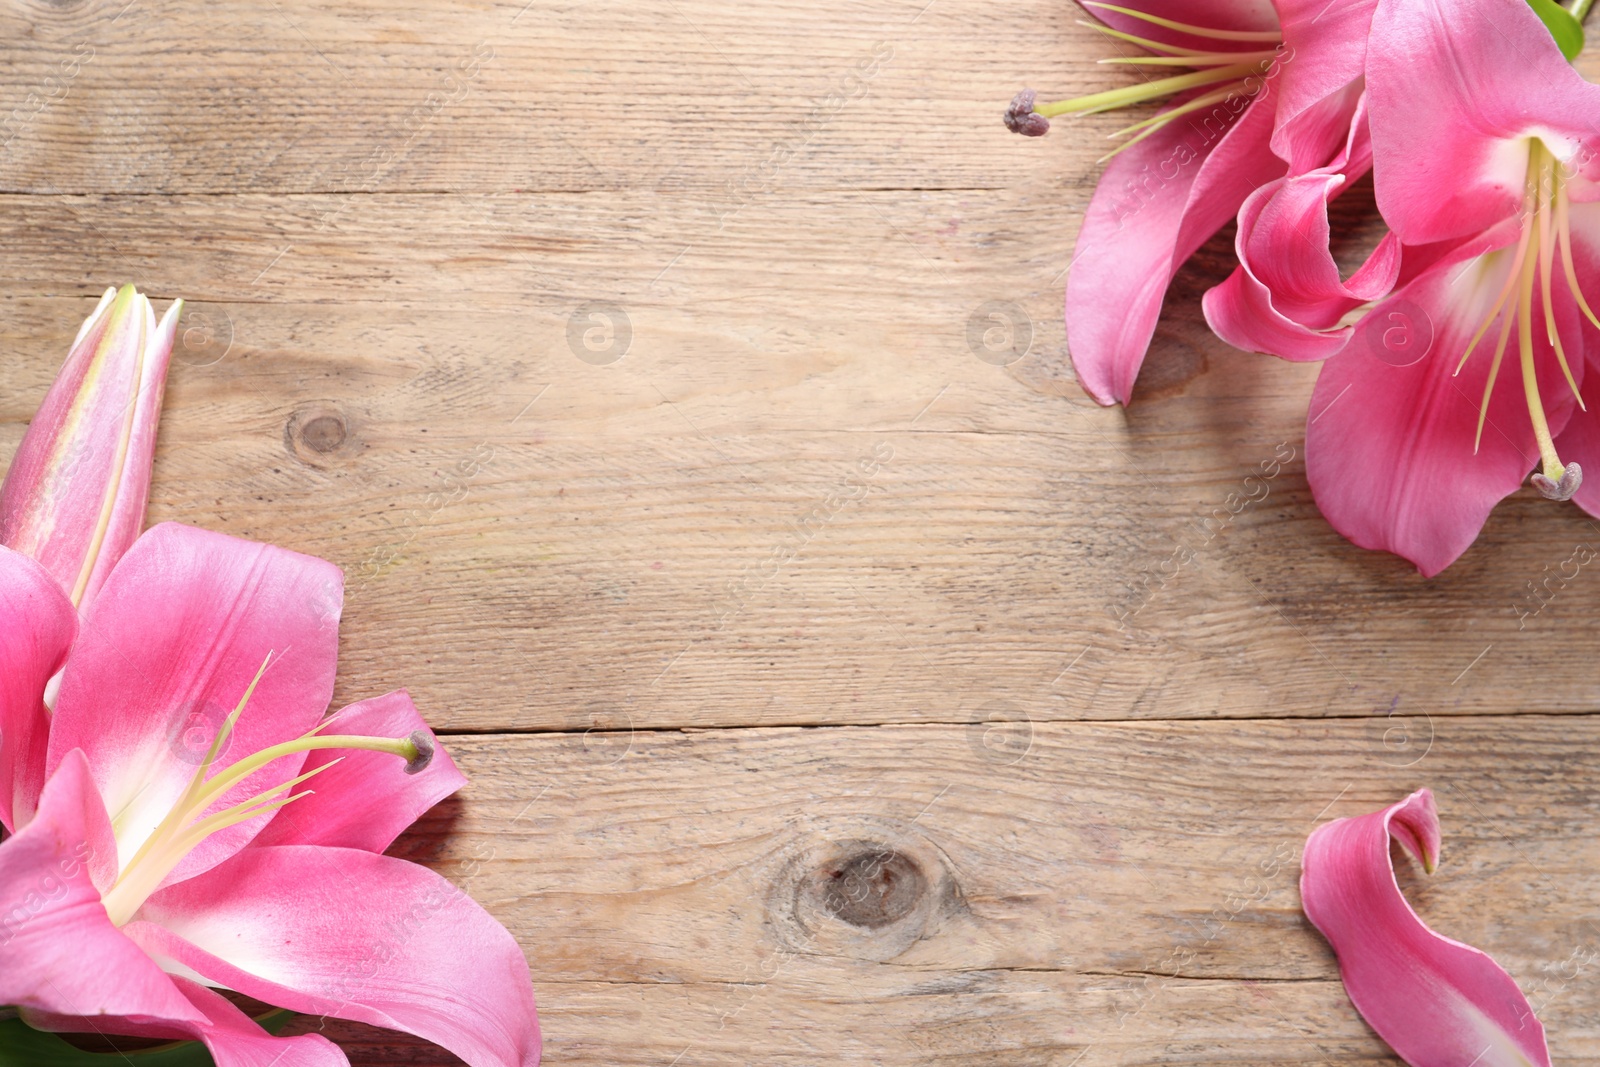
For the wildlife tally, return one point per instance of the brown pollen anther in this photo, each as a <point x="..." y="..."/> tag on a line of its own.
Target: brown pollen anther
<point x="1571" y="478"/>
<point x="425" y="747"/>
<point x="1021" y="118"/>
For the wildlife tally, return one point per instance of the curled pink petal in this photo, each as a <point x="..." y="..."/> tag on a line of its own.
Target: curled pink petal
<point x="38" y="629"/>
<point x="1240" y="311"/>
<point x="364" y="799"/>
<point x="59" y="951"/>
<point x="1284" y="237"/>
<point x="350" y="934"/>
<point x="1437" y="1002"/>
<point x="1286" y="296"/>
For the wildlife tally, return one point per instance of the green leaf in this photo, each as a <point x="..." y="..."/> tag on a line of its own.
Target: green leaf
<point x="23" y="1046"/>
<point x="1567" y="31"/>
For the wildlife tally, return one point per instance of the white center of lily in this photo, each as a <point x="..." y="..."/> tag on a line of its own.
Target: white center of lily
<point x="1545" y="230"/>
<point x="187" y="824"/>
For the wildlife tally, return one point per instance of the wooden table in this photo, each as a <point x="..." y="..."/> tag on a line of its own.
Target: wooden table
<point x="647" y="395"/>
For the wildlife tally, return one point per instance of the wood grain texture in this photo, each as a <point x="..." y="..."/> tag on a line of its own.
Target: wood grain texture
<point x="643" y="390"/>
<point x="1083" y="893"/>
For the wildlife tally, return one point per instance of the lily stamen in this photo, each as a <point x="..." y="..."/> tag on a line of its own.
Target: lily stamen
<point x="1234" y="70"/>
<point x="1564" y="239"/>
<point x="1196" y="59"/>
<point x="1142" y="42"/>
<point x="1150" y="125"/>
<point x="186" y="825"/>
<point x="1138" y="94"/>
<point x="1488" y="385"/>
<point x="1184" y="27"/>
<point x="1544" y="229"/>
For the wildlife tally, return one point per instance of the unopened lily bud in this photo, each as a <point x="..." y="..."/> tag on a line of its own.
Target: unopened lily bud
<point x="74" y="498"/>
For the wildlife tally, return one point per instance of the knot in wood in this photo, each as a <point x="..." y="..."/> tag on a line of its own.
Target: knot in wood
<point x="316" y="432"/>
<point x="873" y="888"/>
<point x="323" y="433"/>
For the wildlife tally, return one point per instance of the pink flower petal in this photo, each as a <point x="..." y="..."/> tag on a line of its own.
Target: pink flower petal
<point x="1450" y="86"/>
<point x="1437" y="1002"/>
<point x="170" y="647"/>
<point x="366" y="798"/>
<point x="1284" y="237"/>
<point x="233" y="1038"/>
<point x="59" y="951"/>
<point x="1389" y="447"/>
<point x="1286" y="296"/>
<point x="346" y="933"/>
<point x="64" y="461"/>
<point x="1155" y="205"/>
<point x="39" y="627"/>
<point x="1319" y="75"/>
<point x="1240" y="311"/>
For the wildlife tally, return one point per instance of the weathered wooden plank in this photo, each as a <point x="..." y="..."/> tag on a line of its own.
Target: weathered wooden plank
<point x="721" y="99"/>
<point x="1123" y="893"/>
<point x="688" y="536"/>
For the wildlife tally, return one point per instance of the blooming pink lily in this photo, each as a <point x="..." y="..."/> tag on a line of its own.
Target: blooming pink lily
<point x="161" y="845"/>
<point x="1487" y="165"/>
<point x="1273" y="92"/>
<point x="1437" y="1002"/>
<point x="74" y="497"/>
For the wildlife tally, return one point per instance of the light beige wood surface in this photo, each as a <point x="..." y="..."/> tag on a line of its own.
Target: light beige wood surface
<point x="805" y="583"/>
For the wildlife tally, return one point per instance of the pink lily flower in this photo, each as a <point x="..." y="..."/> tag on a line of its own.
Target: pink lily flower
<point x="1487" y="168"/>
<point x="74" y="498"/>
<point x="1273" y="92"/>
<point x="1437" y="1002"/>
<point x="160" y="837"/>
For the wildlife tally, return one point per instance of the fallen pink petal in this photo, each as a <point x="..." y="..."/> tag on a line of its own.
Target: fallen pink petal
<point x="1437" y="1002"/>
